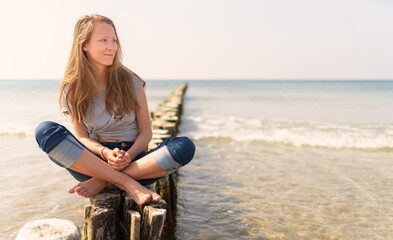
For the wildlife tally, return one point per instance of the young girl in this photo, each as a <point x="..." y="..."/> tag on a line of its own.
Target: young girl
<point x="107" y="105"/>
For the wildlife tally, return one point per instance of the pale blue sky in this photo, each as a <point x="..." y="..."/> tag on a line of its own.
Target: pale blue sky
<point x="209" y="39"/>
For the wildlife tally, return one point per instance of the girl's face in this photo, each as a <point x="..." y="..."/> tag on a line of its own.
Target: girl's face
<point x="102" y="46"/>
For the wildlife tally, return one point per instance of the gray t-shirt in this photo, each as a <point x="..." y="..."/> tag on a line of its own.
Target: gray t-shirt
<point x="98" y="122"/>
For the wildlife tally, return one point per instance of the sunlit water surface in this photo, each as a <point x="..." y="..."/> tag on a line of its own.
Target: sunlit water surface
<point x="274" y="160"/>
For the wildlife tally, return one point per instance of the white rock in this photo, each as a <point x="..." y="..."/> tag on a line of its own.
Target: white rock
<point x="49" y="229"/>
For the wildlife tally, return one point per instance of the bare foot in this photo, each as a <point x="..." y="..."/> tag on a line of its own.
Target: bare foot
<point x="88" y="188"/>
<point x="140" y="194"/>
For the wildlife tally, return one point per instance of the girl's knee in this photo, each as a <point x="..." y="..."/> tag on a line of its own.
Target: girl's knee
<point x="182" y="149"/>
<point x="43" y="128"/>
<point x="48" y="134"/>
<point x="188" y="147"/>
<point x="174" y="152"/>
<point x="60" y="145"/>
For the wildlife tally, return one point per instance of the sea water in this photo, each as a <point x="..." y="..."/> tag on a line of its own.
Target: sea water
<point x="274" y="160"/>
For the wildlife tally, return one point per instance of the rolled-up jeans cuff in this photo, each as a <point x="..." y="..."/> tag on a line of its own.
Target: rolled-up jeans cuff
<point x="165" y="160"/>
<point x="66" y="152"/>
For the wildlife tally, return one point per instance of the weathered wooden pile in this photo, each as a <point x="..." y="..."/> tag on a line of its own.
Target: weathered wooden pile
<point x="112" y="214"/>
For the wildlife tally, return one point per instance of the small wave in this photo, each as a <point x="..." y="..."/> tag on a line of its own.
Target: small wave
<point x="23" y="128"/>
<point x="293" y="132"/>
<point x="16" y="131"/>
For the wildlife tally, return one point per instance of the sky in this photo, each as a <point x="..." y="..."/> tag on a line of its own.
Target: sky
<point x="208" y="39"/>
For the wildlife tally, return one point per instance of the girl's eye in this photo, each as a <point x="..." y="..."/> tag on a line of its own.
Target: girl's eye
<point x="103" y="40"/>
<point x="114" y="41"/>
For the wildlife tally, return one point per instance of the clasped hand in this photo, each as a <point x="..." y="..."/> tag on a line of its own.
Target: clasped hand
<point x="119" y="159"/>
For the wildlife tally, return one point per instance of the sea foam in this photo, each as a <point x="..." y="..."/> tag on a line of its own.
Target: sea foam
<point x="292" y="132"/>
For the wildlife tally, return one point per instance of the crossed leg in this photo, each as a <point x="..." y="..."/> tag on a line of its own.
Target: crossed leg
<point x="104" y="175"/>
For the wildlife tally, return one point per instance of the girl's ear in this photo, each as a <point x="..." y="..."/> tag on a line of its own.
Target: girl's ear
<point x="84" y="48"/>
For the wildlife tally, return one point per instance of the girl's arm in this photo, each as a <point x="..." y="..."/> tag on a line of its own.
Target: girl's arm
<point x="143" y="120"/>
<point x="82" y="135"/>
<point x="118" y="159"/>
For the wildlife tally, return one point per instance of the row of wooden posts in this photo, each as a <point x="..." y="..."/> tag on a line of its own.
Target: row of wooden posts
<point x="112" y="214"/>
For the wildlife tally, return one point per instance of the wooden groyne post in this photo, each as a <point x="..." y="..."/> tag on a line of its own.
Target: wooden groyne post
<point x="112" y="214"/>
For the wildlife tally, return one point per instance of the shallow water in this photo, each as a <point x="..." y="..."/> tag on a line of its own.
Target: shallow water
<point x="33" y="187"/>
<point x="274" y="160"/>
<point x="263" y="191"/>
<point x="320" y="172"/>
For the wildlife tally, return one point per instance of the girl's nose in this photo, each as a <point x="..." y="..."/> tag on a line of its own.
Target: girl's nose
<point x="112" y="46"/>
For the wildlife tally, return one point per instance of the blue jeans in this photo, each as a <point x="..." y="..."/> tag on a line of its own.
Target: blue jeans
<point x="64" y="149"/>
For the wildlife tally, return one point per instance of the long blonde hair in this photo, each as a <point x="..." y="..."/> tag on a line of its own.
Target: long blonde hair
<point x="78" y="85"/>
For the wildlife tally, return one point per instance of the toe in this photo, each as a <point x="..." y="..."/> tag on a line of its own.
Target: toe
<point x="156" y="197"/>
<point x="146" y="199"/>
<point x="72" y="188"/>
